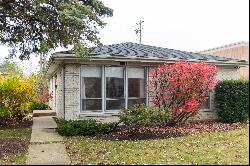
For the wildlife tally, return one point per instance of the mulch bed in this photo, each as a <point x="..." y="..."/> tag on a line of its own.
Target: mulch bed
<point x="17" y="124"/>
<point x="124" y="133"/>
<point x="12" y="146"/>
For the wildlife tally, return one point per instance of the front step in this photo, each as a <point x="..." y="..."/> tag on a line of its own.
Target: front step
<point x="37" y="113"/>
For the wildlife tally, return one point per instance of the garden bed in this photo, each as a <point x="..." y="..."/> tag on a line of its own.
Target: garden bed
<point x="14" y="142"/>
<point x="125" y="133"/>
<point x="17" y="124"/>
<point x="9" y="146"/>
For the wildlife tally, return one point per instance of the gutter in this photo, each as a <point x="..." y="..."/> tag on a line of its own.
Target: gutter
<point x="152" y="59"/>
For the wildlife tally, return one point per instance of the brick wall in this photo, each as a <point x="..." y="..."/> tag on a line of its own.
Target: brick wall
<point x="58" y="97"/>
<point x="72" y="91"/>
<point x="51" y="90"/>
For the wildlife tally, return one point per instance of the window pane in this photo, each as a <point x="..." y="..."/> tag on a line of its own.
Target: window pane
<point x="135" y="72"/>
<point x="206" y="104"/>
<point x="92" y="104"/>
<point x="91" y="71"/>
<point x="91" y="90"/>
<point x="136" y="86"/>
<point x="115" y="104"/>
<point x="114" y="88"/>
<point x="114" y="72"/>
<point x="136" y="101"/>
<point x="91" y="87"/>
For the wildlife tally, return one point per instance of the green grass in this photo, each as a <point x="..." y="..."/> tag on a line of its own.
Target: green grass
<point x="216" y="148"/>
<point x="15" y="159"/>
<point x="16" y="133"/>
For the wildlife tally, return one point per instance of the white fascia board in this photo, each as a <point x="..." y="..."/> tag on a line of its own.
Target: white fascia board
<point x="149" y="59"/>
<point x="64" y="57"/>
<point x="53" y="67"/>
<point x="158" y="60"/>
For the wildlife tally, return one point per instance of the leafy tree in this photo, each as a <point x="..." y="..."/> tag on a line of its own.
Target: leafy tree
<point x="39" y="26"/>
<point x="181" y="88"/>
<point x="7" y="66"/>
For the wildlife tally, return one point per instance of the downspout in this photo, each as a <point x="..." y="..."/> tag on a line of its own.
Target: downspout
<point x="63" y="88"/>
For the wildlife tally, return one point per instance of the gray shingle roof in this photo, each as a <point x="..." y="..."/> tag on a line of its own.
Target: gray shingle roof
<point x="146" y="51"/>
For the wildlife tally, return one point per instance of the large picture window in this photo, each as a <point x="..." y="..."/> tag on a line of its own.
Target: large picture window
<point x="91" y="92"/>
<point x="114" y="88"/>
<point x="136" y="86"/>
<point x="111" y="88"/>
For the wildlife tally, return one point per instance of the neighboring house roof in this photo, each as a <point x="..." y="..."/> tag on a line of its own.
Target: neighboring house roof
<point x="239" y="50"/>
<point x="134" y="50"/>
<point x="224" y="47"/>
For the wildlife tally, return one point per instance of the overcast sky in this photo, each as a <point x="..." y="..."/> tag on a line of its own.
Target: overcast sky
<point x="188" y="25"/>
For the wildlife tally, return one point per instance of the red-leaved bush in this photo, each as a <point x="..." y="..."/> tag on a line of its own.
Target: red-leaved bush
<point x="181" y="88"/>
<point x="43" y="95"/>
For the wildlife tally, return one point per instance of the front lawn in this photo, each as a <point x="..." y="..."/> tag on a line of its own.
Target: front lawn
<point x="230" y="147"/>
<point x="14" y="145"/>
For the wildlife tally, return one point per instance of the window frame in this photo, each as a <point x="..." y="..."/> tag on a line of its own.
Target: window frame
<point x="209" y="103"/>
<point x="145" y="84"/>
<point x="81" y="105"/>
<point x="124" y="89"/>
<point x="103" y="85"/>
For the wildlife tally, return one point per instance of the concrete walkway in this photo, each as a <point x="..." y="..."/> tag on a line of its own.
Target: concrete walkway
<point x="46" y="146"/>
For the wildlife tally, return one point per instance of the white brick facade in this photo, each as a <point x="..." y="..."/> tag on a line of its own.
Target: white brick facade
<point x="67" y="82"/>
<point x="58" y="82"/>
<point x="72" y="91"/>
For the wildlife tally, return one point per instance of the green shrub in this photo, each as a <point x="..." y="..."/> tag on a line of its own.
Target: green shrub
<point x="83" y="127"/>
<point x="232" y="100"/>
<point x="38" y="106"/>
<point x="140" y="115"/>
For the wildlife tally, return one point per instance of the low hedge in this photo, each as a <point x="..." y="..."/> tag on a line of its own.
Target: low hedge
<point x="38" y="106"/>
<point x="232" y="100"/>
<point x="140" y="115"/>
<point x="83" y="127"/>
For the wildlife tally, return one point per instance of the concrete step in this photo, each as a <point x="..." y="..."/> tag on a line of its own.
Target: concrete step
<point x="44" y="122"/>
<point x="37" y="113"/>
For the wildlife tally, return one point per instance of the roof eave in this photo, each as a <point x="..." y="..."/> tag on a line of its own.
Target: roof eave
<point x="56" y="61"/>
<point x="149" y="59"/>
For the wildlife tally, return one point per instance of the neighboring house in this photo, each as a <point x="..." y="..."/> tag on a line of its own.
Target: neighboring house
<point x="238" y="50"/>
<point x="1" y="70"/>
<point x="115" y="76"/>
